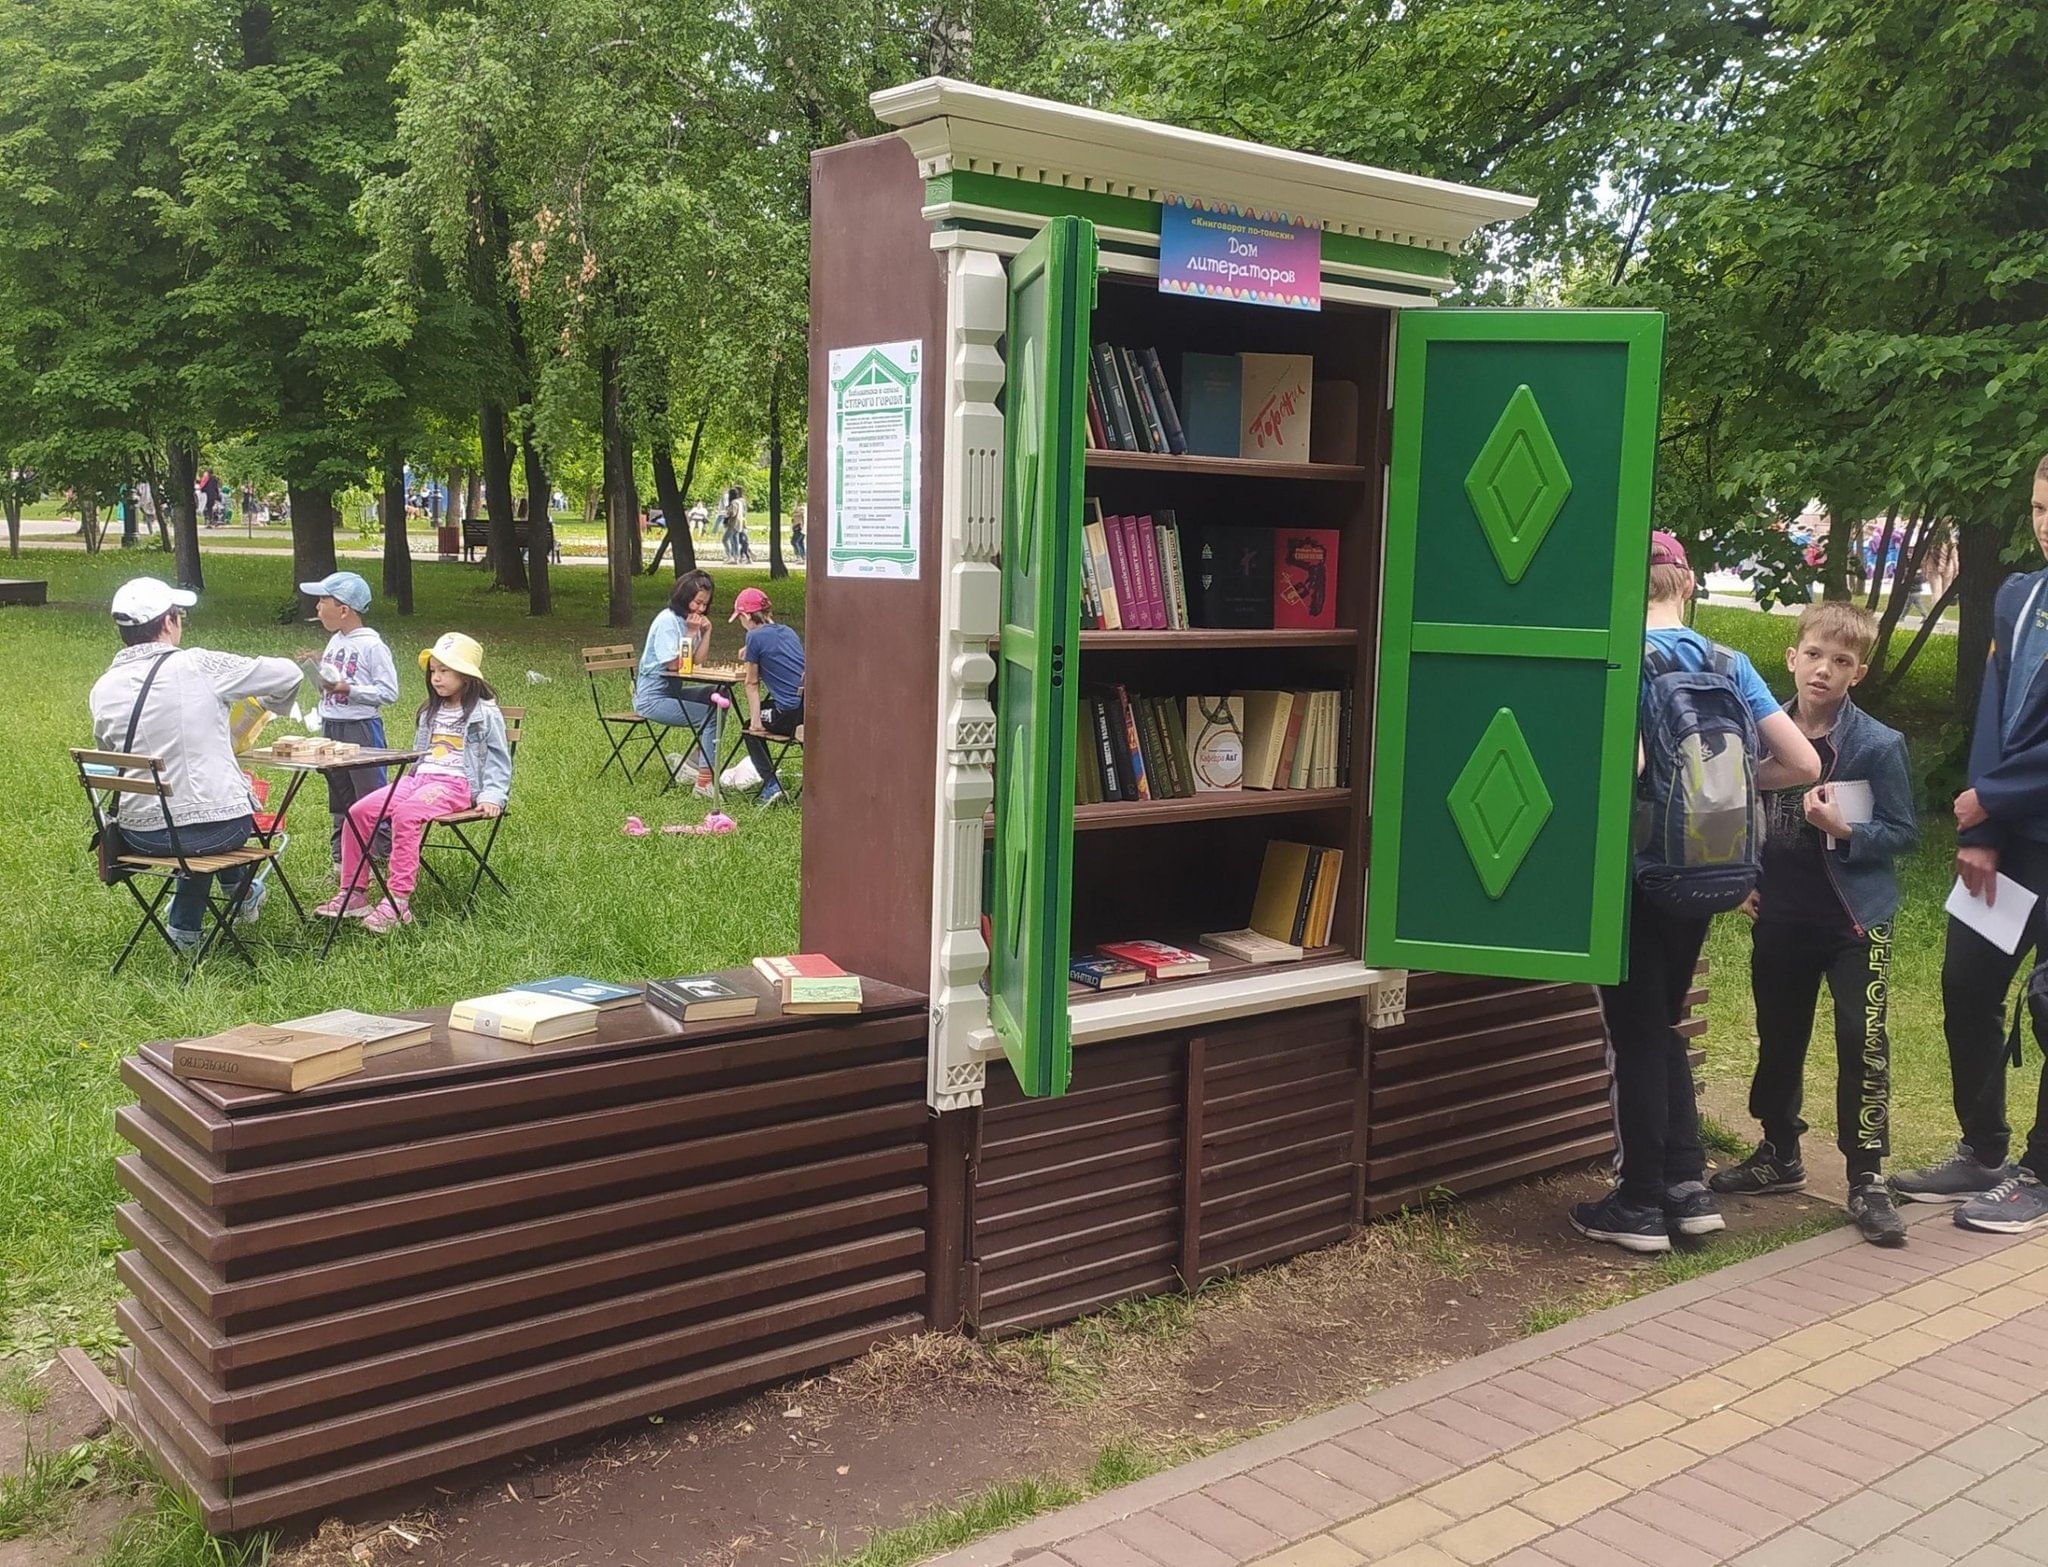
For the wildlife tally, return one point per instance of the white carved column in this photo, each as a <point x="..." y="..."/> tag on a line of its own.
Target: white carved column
<point x="971" y="528"/>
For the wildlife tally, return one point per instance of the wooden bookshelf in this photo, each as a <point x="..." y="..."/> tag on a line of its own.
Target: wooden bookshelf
<point x="1195" y="638"/>
<point x="1226" y="467"/>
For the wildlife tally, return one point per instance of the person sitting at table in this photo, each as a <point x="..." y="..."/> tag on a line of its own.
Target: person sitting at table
<point x="662" y="695"/>
<point x="774" y="657"/>
<point x="468" y="762"/>
<point x="162" y="699"/>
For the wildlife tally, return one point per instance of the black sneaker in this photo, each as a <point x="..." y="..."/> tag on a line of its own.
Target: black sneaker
<point x="2014" y="1206"/>
<point x="1870" y="1205"/>
<point x="1958" y="1178"/>
<point x="1622" y="1224"/>
<point x="1689" y="1210"/>
<point x="1763" y="1171"/>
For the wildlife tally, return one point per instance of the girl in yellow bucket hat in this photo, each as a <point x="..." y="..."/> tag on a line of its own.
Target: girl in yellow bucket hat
<point x="468" y="764"/>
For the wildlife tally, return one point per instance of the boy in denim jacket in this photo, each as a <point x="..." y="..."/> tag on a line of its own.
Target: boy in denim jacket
<point x="1823" y="911"/>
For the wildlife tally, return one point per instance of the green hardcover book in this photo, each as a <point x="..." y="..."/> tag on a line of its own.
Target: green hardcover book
<point x="1177" y="739"/>
<point x="1148" y="742"/>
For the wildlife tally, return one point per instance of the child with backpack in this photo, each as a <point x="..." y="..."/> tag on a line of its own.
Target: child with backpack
<point x="1823" y="911"/>
<point x="1712" y="735"/>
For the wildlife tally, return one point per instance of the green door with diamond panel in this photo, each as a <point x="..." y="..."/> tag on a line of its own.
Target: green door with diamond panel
<point x="1518" y="519"/>
<point x="1052" y="293"/>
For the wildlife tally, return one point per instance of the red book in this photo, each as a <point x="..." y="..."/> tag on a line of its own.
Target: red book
<point x="1305" y="579"/>
<point x="1096" y="437"/>
<point x="1158" y="958"/>
<point x="1153" y="584"/>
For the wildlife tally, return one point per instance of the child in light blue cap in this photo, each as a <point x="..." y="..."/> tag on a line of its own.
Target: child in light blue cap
<point x="357" y="679"/>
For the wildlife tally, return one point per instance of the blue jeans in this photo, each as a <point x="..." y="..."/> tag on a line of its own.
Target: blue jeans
<point x="679" y="705"/>
<point x="188" y="903"/>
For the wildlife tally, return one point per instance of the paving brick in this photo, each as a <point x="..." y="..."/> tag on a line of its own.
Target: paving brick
<point x="2007" y="1299"/>
<point x="1718" y="1536"/>
<point x="1862" y="1518"/>
<point x="1898" y="1551"/>
<point x="1703" y="1496"/>
<point x="1318" y="1493"/>
<point x="1789" y="1502"/>
<point x="1748" y="1305"/>
<point x="1932" y="1379"/>
<point x="1604" y="1390"/>
<point x="1566" y="1501"/>
<point x="1477" y="1489"/>
<point x="1938" y="1418"/>
<point x="1961" y="1322"/>
<point x="1882" y="1418"/>
<point x="1931" y="1295"/>
<point x="2030" y="1538"/>
<point x="1631" y="1423"/>
<point x="1822" y="1340"/>
<point x="1492" y="1534"/>
<point x="1699" y="1395"/>
<point x="1995" y="1556"/>
<point x="1395" y="1527"/>
<point x="1846" y="1372"/>
<point x="1263" y="1505"/>
<point x="1793" y="1301"/>
<point x="2017" y="1492"/>
<point x="1737" y="1339"/>
<point x="1958" y="1525"/>
<point x="1555" y="1456"/>
<point x="1880" y="1316"/>
<point x="1769" y="1326"/>
<point x="1647" y="1462"/>
<point x="1886" y="1452"/>
<point x="1532" y="1418"/>
<point x="1461" y="1414"/>
<point x="1436" y="1437"/>
<point x="1616" y="1368"/>
<point x="1573" y="1547"/>
<point x="1650" y="1544"/>
<point x="1318" y="1550"/>
<point x="1230" y="1532"/>
<point x="1904" y="1346"/>
<point x="1042" y="1559"/>
<point x="1373" y="1481"/>
<point x="1673" y="1334"/>
<point x="1100" y="1548"/>
<point x="1761" y="1367"/>
<point x="1414" y="1464"/>
<point x="1658" y="1358"/>
<point x="1570" y="1402"/>
<point x="1526" y="1556"/>
<point x="1927" y="1482"/>
<point x="1815" y="1289"/>
<point x="1793" y="1446"/>
<point x="1167" y="1543"/>
<point x="2032" y="1418"/>
<point x="1799" y="1547"/>
<point x="1824" y="1485"/>
<point x="1990" y="1448"/>
<point x="1423" y="1555"/>
<point x="1783" y="1402"/>
<point x="1977" y="1373"/>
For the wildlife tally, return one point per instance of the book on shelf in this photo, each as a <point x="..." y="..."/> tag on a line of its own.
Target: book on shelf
<point x="1296" y="895"/>
<point x="1305" y="579"/>
<point x="1152" y="428"/>
<point x="1288" y="774"/>
<point x="1234" y="577"/>
<point x="1098" y="435"/>
<point x="1138" y="780"/>
<point x="1162" y="398"/>
<point x="591" y="992"/>
<point x="1096" y="718"/>
<point x="1160" y="959"/>
<point x="1176" y="584"/>
<point x="1131" y="402"/>
<point x="811" y="982"/>
<point x="1252" y="947"/>
<point x="1210" y="399"/>
<point x="267" y="1055"/>
<point x="1116" y="412"/>
<point x="1145" y="556"/>
<point x="701" y="998"/>
<point x="377" y="1035"/>
<point x="1274" y="402"/>
<point x="1215" y="742"/>
<point x="1265" y="734"/>
<point x="1100" y="973"/>
<point x="1096" y="556"/>
<point x="524" y="1017"/>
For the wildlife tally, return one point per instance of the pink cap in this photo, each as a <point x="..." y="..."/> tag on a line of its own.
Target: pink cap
<point x="1665" y="550"/>
<point x="751" y="601"/>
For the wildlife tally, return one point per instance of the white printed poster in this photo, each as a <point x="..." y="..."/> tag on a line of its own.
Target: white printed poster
<point x="874" y="461"/>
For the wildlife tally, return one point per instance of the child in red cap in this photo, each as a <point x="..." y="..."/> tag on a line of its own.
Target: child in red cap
<point x="774" y="657"/>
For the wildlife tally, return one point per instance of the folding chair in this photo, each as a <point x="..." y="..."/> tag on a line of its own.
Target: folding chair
<point x="460" y="841"/>
<point x="106" y="775"/>
<point x="780" y="749"/>
<point x="620" y="729"/>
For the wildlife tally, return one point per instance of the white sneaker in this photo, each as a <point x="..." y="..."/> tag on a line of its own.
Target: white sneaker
<point x="741" y="775"/>
<point x="705" y="791"/>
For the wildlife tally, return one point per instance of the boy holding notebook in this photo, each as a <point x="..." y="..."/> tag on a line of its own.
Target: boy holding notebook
<point x="1823" y="911"/>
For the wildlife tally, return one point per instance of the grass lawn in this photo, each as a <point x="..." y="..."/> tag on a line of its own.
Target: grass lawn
<point x="585" y="898"/>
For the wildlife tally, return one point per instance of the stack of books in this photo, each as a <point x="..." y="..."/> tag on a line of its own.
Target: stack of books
<point x="1131" y="746"/>
<point x="1262" y="579"/>
<point x="1130" y="408"/>
<point x="1296" y="901"/>
<point x="1131" y="575"/>
<point x="297" y="1053"/>
<point x="1248" y="405"/>
<point x="809" y="983"/>
<point x="1297" y="739"/>
<point x="1117" y="964"/>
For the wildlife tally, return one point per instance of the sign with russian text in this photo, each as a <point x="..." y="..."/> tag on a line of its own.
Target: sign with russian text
<point x="874" y="461"/>
<point x="1218" y="251"/>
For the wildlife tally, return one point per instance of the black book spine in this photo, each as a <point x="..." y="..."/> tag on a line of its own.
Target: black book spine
<point x="1162" y="399"/>
<point x="1308" y="896"/>
<point x="1141" y="385"/>
<point x="1114" y="408"/>
<point x="1127" y="372"/>
<point x="1105" y="750"/>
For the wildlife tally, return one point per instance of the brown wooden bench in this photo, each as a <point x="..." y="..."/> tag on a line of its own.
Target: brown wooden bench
<point x="477" y="536"/>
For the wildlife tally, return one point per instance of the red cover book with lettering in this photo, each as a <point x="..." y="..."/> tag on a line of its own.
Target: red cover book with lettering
<point x="1154" y="584"/>
<point x="1161" y="959"/>
<point x="1305" y="579"/>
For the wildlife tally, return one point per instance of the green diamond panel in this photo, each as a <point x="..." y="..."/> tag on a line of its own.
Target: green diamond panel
<point x="1518" y="484"/>
<point x="1499" y="803"/>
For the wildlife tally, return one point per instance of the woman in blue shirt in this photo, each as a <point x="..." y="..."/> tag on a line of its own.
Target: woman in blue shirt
<point x="661" y="694"/>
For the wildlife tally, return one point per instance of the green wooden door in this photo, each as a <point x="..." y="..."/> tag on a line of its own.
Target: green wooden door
<point x="1518" y="517"/>
<point x="1052" y="294"/>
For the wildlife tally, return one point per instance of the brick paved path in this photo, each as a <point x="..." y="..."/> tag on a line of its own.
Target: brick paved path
<point x="1825" y="1403"/>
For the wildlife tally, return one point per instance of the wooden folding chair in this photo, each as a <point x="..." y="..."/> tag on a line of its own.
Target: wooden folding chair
<point x="106" y="776"/>
<point x="780" y="749"/>
<point x="459" y="840"/>
<point x="621" y="729"/>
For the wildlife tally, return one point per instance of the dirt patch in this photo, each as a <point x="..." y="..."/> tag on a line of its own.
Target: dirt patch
<point x="812" y="1470"/>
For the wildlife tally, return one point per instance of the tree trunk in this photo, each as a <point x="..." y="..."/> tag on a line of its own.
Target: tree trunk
<point x="10" y="502"/>
<point x="674" y="504"/>
<point x="504" y="534"/>
<point x="1979" y="571"/>
<point x="776" y="568"/>
<point x="473" y="495"/>
<point x="1834" y="570"/>
<point x="89" y="522"/>
<point x="458" y="499"/>
<point x="313" y="520"/>
<point x="397" y="548"/>
<point x="540" y="524"/>
<point x="174" y="504"/>
<point x="620" y="521"/>
<point x="131" y="523"/>
<point x="636" y="537"/>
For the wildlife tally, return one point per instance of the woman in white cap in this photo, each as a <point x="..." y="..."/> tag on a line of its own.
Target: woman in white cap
<point x="162" y="699"/>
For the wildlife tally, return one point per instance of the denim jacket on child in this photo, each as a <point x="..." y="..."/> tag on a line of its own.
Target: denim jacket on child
<point x="1862" y="869"/>
<point x="486" y="752"/>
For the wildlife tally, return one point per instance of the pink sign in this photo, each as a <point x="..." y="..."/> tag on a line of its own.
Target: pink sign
<point x="1223" y="252"/>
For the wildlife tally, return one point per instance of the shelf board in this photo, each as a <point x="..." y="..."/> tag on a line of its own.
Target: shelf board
<point x="1221" y="964"/>
<point x="1196" y="637"/>
<point x="1239" y="467"/>
<point x="1250" y="991"/>
<point x="1208" y="807"/>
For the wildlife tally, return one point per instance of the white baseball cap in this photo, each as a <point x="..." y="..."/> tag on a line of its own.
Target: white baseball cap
<point x="144" y="599"/>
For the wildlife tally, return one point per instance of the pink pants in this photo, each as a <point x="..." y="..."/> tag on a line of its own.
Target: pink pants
<point x="415" y="801"/>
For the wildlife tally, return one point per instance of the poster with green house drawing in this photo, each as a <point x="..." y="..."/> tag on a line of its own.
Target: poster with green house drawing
<point x="873" y="461"/>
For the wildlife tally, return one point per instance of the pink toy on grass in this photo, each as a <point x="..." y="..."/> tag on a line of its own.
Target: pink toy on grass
<point x="634" y="828"/>
<point x="716" y="822"/>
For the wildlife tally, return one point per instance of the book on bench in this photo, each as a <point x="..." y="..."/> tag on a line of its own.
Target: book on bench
<point x="266" y="1055"/>
<point x="524" y="1017"/>
<point x="808" y="982"/>
<point x="591" y="992"/>
<point x="701" y="998"/>
<point x="377" y="1035"/>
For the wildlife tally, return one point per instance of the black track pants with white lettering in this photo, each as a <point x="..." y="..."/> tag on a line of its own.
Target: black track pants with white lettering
<point x="1786" y="966"/>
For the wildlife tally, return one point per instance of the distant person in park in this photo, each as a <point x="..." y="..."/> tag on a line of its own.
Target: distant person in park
<point x="700" y="520"/>
<point x="209" y="497"/>
<point x="1661" y="1164"/>
<point x="774" y="659"/>
<point x="358" y="679"/>
<point x="739" y="525"/>
<point x="162" y="699"/>
<point x="659" y="519"/>
<point x="468" y="763"/>
<point x="1823" y="912"/>
<point x="678" y="640"/>
<point x="796" y="530"/>
<point x="2003" y="832"/>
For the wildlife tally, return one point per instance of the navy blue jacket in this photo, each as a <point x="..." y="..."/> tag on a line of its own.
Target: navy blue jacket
<point x="2011" y="777"/>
